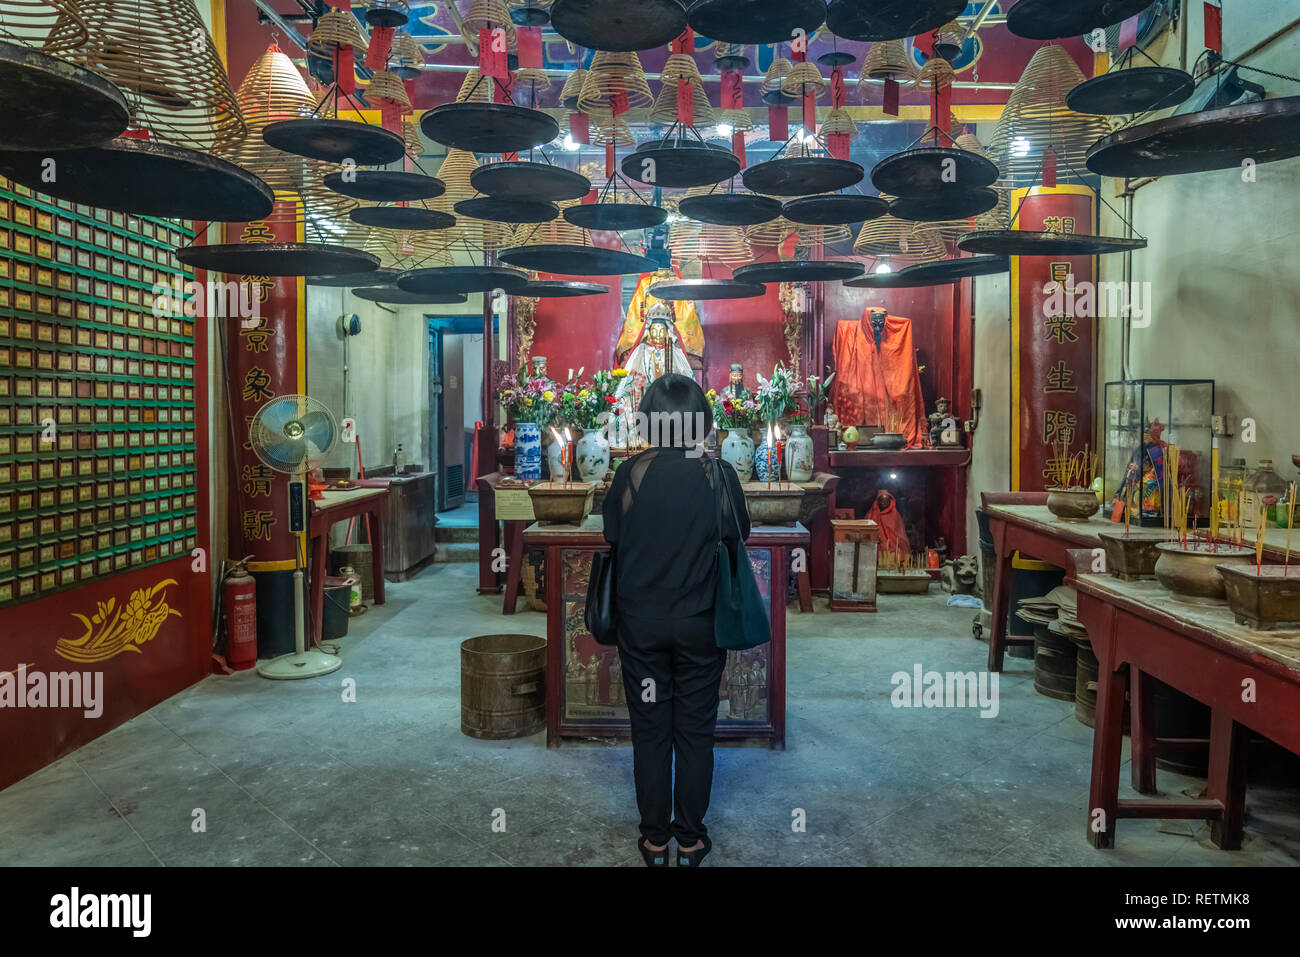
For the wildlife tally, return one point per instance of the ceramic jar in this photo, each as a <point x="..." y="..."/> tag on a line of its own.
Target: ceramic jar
<point x="767" y="462"/>
<point x="799" y="454"/>
<point x="738" y="452"/>
<point x="592" y="455"/>
<point x="528" y="452"/>
<point x="553" y="464"/>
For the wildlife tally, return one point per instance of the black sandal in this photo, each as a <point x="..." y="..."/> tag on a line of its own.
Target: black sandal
<point x="652" y="858"/>
<point x="693" y="858"/>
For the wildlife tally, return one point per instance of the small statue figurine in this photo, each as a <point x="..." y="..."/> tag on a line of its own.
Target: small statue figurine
<point x="943" y="425"/>
<point x="539" y="372"/>
<point x="735" y="387"/>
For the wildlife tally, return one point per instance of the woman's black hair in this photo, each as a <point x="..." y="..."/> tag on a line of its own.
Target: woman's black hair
<point x="675" y="412"/>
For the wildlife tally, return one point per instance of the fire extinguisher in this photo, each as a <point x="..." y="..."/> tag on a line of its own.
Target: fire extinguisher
<point x="240" y="599"/>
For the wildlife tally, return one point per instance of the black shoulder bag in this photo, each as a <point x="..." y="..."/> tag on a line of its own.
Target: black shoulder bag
<point x="602" y="589"/>
<point x="740" y="616"/>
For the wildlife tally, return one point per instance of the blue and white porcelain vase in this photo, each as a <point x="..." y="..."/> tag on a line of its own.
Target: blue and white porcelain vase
<point x="528" y="452"/>
<point x="738" y="452"/>
<point x="767" y="462"/>
<point x="799" y="454"/>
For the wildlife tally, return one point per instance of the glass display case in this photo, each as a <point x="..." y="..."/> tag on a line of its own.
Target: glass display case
<point x="1148" y="422"/>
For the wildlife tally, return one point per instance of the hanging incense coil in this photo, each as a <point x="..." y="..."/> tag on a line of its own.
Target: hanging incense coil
<point x="51" y="26"/>
<point x="839" y="122"/>
<point x="487" y="15"/>
<point x="665" y="106"/>
<point x="949" y="40"/>
<point x="772" y="89"/>
<point x="935" y="75"/>
<point x="701" y="242"/>
<point x="802" y="78"/>
<point x="770" y="234"/>
<point x="411" y="134"/>
<point x="473" y="235"/>
<point x="147" y="49"/>
<point x="887" y="60"/>
<point x="406" y="55"/>
<point x="572" y="89"/>
<point x="337" y="28"/>
<point x="999" y="216"/>
<point x="475" y="88"/>
<point x="532" y="81"/>
<point x="1037" y="119"/>
<point x="614" y="129"/>
<point x="556" y="232"/>
<point x="810" y="236"/>
<point x="609" y="75"/>
<point x="890" y="238"/>
<point x="388" y="86"/>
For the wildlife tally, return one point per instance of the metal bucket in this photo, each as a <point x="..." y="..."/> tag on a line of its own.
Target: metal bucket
<point x="502" y="686"/>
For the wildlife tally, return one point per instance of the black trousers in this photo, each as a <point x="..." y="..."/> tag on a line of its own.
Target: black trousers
<point x="671" y="673"/>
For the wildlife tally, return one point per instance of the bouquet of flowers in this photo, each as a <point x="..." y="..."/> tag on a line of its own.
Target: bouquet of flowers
<point x="776" y="396"/>
<point x="581" y="405"/>
<point x="530" y="401"/>
<point x="819" y="391"/>
<point x="729" y="413"/>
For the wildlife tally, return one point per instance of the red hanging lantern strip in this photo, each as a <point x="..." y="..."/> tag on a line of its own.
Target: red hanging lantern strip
<point x="738" y="147"/>
<point x="733" y="95"/>
<point x="810" y="109"/>
<point x="685" y="103"/>
<point x="778" y="123"/>
<point x="941" y="111"/>
<point x="492" y="55"/>
<point x="381" y="41"/>
<point x="837" y="144"/>
<point x="890" y="105"/>
<point x="345" y="72"/>
<point x="610" y="167"/>
<point x="580" y="128"/>
<point x="530" y="47"/>
<point x="838" y="96"/>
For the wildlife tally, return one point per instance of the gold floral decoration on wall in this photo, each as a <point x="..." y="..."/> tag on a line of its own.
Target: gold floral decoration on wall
<point x="113" y="630"/>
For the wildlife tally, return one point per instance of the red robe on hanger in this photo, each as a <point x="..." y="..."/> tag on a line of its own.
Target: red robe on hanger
<point x="871" y="382"/>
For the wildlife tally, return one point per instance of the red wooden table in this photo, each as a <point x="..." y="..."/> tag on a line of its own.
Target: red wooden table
<point x="583" y="697"/>
<point x="1249" y="680"/>
<point x="339" y="506"/>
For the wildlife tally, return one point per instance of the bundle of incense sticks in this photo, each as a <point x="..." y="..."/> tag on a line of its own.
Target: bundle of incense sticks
<point x="1290" y="521"/>
<point x="1072" y="471"/>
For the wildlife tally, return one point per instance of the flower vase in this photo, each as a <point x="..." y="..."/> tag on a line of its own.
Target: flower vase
<point x="799" y="454"/>
<point x="738" y="452"/>
<point x="528" y="452"/>
<point x="767" y="462"/>
<point x="554" y="450"/>
<point x="592" y="454"/>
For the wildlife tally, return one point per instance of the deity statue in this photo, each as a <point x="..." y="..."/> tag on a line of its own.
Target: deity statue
<point x="538" y="372"/>
<point x="942" y="412"/>
<point x="682" y="314"/>
<point x="658" y="352"/>
<point x="735" y="387"/>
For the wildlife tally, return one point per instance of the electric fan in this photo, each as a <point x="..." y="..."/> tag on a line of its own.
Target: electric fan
<point x="288" y="434"/>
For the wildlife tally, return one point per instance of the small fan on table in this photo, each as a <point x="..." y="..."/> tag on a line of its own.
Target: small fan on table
<point x="290" y="434"/>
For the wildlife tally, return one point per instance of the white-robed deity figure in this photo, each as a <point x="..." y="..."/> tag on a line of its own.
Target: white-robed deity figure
<point x="659" y="351"/>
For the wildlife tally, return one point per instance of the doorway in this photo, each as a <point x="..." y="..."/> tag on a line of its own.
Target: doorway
<point x="455" y="404"/>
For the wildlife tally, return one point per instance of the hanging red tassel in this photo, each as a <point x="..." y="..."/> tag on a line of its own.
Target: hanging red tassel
<point x="891" y="97"/>
<point x="685" y="42"/>
<point x="345" y="71"/>
<point x="733" y="94"/>
<point x="580" y="128"/>
<point x="610" y="168"/>
<point x="685" y="103"/>
<point x="837" y="144"/>
<point x="381" y="41"/>
<point x="390" y="113"/>
<point x="778" y="123"/>
<point x="491" y="61"/>
<point x="738" y="146"/>
<point x="1049" y="168"/>
<point x="837" y="88"/>
<point x="1213" y="28"/>
<point x="530" y="48"/>
<point x="810" y="110"/>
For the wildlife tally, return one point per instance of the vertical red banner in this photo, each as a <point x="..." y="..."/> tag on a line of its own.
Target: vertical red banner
<point x="1053" y="338"/>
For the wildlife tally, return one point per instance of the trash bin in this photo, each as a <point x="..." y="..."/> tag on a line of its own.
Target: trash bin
<point x="338" y="599"/>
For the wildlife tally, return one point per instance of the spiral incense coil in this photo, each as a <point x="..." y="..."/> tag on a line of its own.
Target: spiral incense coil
<point x="774" y="79"/>
<point x="772" y="233"/>
<point x="388" y="86"/>
<point x="147" y="49"/>
<point x="532" y="81"/>
<point x="612" y="129"/>
<point x="705" y="242"/>
<point x="411" y="135"/>
<point x="935" y="75"/>
<point x="572" y="89"/>
<point x="887" y="60"/>
<point x="665" y="108"/>
<point x="406" y="53"/>
<point x="950" y="34"/>
<point x="530" y="4"/>
<point x="1036" y="119"/>
<point x="609" y="75"/>
<point x="51" y="26"/>
<point x="338" y="29"/>
<point x="474" y="91"/>
<point x="1000" y="215"/>
<point x="888" y="237"/>
<point x="558" y="231"/>
<point x="740" y="121"/>
<point x="810" y="236"/>
<point x="477" y="235"/>
<point x="487" y="15"/>
<point x="839" y="123"/>
<point x="802" y="78"/>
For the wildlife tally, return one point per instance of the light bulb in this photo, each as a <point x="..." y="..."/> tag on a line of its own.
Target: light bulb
<point x="883" y="268"/>
<point x="725" y="129"/>
<point x="570" y="143"/>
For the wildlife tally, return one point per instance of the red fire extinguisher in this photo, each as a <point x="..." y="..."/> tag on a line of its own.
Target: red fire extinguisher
<point x="240" y="601"/>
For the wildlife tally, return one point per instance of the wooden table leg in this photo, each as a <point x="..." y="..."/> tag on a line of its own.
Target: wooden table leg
<point x="514" y="565"/>
<point x="319" y="546"/>
<point x="1107" y="748"/>
<point x="1227" y="778"/>
<point x="805" y="591"/>
<point x="1001" y="595"/>
<point x="1143" y="731"/>
<point x="377" y="553"/>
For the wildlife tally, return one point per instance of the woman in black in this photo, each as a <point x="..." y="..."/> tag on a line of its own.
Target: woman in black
<point x="661" y="518"/>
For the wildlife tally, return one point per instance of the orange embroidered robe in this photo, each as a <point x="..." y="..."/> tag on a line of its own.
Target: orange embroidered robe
<point x="872" y="383"/>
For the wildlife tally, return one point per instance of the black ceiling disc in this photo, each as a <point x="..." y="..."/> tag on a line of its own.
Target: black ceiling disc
<point x="554" y="289"/>
<point x="529" y="17"/>
<point x="834" y="209"/>
<point x="49" y="104"/>
<point x="777" y="97"/>
<point x="891" y="19"/>
<point x="564" y="259"/>
<point x="402" y="217"/>
<point x="677" y="164"/>
<point x="1017" y="242"/>
<point x="392" y="296"/>
<point x="1135" y="90"/>
<point x="496" y="210"/>
<point x="619" y="26"/>
<point x="953" y="270"/>
<point x="444" y="280"/>
<point x="881" y="280"/>
<point x="1057" y="20"/>
<point x="732" y="61"/>
<point x="827" y="270"/>
<point x="278" y="259"/>
<point x="540" y="182"/>
<point x="941" y="207"/>
<point x="836" y="58"/>
<point x="488" y="127"/>
<point x="386" y="17"/>
<point x="336" y="141"/>
<point x="802" y="176"/>
<point x="385" y="186"/>
<point x="379" y="277"/>
<point x="755" y="21"/>
<point x="1222" y="138"/>
<point x="730" y="209"/>
<point x="701" y="289"/>
<point x="616" y="216"/>
<point x="148" y="179"/>
<point x="927" y="169"/>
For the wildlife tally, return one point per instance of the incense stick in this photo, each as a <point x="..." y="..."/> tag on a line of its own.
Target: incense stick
<point x="1290" y="521"/>
<point x="1259" y="540"/>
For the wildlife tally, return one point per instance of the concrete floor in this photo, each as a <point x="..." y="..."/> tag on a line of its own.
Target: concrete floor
<point x="290" y="774"/>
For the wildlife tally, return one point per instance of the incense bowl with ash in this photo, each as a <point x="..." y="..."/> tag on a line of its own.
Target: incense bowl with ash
<point x="1192" y="573"/>
<point x="1130" y="557"/>
<point x="1264" y="596"/>
<point x="773" y="503"/>
<point x="1073" y="504"/>
<point x="562" y="503"/>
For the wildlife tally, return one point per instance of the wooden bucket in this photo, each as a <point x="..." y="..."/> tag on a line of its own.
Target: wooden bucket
<point x="1085" y="685"/>
<point x="1054" y="662"/>
<point x="502" y="686"/>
